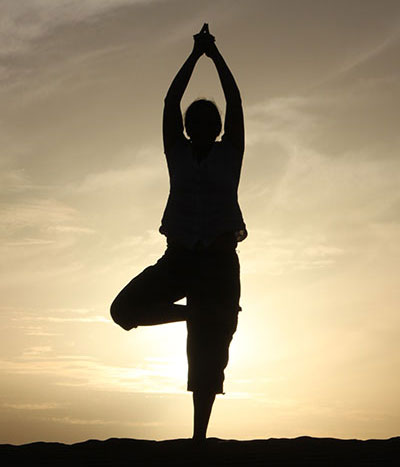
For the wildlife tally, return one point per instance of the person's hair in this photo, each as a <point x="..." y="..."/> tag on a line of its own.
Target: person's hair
<point x="203" y="107"/>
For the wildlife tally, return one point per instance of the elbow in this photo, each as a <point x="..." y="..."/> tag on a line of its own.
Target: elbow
<point x="234" y="99"/>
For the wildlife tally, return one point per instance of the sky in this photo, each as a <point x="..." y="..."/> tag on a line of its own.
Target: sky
<point x="84" y="182"/>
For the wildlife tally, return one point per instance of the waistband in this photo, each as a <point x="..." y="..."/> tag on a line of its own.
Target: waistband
<point x="225" y="241"/>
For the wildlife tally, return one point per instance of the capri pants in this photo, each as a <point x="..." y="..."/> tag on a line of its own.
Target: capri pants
<point x="209" y="278"/>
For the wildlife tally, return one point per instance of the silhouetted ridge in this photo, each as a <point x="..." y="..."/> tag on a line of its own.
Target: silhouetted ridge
<point x="115" y="452"/>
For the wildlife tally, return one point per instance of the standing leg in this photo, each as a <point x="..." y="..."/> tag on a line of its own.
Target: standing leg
<point x="202" y="403"/>
<point x="214" y="297"/>
<point x="208" y="355"/>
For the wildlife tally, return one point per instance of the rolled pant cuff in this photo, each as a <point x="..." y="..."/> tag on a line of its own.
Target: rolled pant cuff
<point x="215" y="390"/>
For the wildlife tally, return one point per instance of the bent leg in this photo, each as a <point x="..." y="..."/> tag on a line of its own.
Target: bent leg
<point x="148" y="299"/>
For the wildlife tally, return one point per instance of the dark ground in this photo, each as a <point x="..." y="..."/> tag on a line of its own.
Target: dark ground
<point x="115" y="452"/>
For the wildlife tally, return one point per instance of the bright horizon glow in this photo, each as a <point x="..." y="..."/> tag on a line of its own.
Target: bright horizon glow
<point x="84" y="183"/>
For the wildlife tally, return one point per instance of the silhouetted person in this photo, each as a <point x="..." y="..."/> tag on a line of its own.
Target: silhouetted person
<point x="202" y="223"/>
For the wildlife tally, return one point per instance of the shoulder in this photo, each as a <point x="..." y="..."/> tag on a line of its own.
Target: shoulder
<point x="227" y="145"/>
<point x="181" y="144"/>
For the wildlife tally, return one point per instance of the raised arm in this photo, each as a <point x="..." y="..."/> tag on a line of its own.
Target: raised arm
<point x="234" y="121"/>
<point x="172" y="116"/>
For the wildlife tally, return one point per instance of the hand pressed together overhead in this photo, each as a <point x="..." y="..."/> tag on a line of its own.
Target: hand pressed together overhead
<point x="204" y="42"/>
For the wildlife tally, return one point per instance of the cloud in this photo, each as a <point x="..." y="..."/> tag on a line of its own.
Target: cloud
<point x="33" y="406"/>
<point x="25" y="21"/>
<point x="273" y="254"/>
<point x="280" y="114"/>
<point x="21" y="319"/>
<point x="54" y="319"/>
<point x="79" y="421"/>
<point x="298" y="171"/>
<point x="32" y="311"/>
<point x="39" y="224"/>
<point x="14" y="180"/>
<point x="137" y="176"/>
<point x="36" y="212"/>
<point x="362" y="58"/>
<point x="36" y="351"/>
<point x="89" y="373"/>
<point x="37" y="331"/>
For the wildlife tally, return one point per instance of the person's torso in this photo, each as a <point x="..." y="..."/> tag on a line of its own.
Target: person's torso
<point x="202" y="202"/>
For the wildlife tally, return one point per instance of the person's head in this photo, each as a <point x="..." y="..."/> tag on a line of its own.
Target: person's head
<point x="203" y="121"/>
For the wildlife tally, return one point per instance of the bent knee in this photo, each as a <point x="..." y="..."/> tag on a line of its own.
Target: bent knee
<point x="115" y="312"/>
<point x="120" y="316"/>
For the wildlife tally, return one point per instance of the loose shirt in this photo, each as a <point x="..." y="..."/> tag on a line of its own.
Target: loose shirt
<point x="203" y="201"/>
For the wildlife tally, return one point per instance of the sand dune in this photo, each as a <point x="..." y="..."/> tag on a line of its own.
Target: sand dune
<point x="302" y="451"/>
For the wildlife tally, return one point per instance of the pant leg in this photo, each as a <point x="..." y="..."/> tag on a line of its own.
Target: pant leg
<point x="149" y="297"/>
<point x="214" y="296"/>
